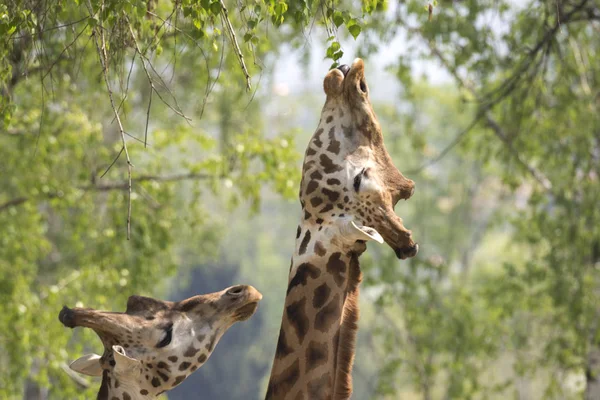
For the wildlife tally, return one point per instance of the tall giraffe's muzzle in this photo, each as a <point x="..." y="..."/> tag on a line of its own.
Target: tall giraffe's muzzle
<point x="396" y="235"/>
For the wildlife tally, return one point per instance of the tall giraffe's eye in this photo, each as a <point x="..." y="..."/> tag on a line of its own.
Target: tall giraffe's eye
<point x="167" y="337"/>
<point x="358" y="179"/>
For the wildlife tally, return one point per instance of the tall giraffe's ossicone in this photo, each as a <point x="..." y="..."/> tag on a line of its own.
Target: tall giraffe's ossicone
<point x="155" y="344"/>
<point x="348" y="192"/>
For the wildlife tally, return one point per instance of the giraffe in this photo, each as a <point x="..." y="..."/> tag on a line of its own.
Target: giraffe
<point x="154" y="345"/>
<point x="348" y="192"/>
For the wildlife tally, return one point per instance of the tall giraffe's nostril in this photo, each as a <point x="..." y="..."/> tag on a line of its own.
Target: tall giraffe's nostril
<point x="344" y="68"/>
<point x="235" y="291"/>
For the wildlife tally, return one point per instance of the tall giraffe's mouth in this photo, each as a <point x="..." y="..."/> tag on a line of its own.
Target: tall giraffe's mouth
<point x="344" y="68"/>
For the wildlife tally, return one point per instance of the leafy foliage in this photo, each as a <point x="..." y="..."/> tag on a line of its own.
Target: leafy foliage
<point x="504" y="293"/>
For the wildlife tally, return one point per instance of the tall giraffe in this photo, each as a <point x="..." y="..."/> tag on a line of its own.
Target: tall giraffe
<point x="348" y="192"/>
<point x="156" y="344"/>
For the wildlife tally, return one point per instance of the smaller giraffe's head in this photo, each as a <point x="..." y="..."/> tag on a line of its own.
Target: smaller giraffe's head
<point x="154" y="345"/>
<point x="350" y="185"/>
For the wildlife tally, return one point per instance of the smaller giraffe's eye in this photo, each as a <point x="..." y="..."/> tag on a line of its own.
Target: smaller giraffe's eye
<point x="363" y="86"/>
<point x="166" y="338"/>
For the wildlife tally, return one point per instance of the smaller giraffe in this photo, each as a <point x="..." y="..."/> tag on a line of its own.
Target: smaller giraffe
<point x="154" y="345"/>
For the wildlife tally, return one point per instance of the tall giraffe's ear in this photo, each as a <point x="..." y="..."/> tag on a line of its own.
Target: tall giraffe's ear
<point x="332" y="84"/>
<point x="87" y="365"/>
<point x="352" y="231"/>
<point x="124" y="364"/>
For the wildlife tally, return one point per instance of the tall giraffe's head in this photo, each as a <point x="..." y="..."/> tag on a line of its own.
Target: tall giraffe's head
<point x="155" y="344"/>
<point x="350" y="184"/>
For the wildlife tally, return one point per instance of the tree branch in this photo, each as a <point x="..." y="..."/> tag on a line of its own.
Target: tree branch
<point x="485" y="108"/>
<point x="103" y="187"/>
<point x="14" y="202"/>
<point x="118" y="185"/>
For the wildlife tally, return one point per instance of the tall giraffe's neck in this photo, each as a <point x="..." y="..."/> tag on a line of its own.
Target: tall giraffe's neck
<point x="113" y="388"/>
<point x="315" y="350"/>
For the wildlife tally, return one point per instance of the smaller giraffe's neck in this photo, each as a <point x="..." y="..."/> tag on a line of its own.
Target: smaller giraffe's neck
<point x="315" y="350"/>
<point x="113" y="388"/>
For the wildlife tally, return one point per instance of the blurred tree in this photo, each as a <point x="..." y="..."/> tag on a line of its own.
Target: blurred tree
<point x="507" y="168"/>
<point x="529" y="76"/>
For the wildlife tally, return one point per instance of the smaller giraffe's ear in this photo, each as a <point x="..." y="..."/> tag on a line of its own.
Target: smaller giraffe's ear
<point x="87" y="365"/>
<point x="360" y="232"/>
<point x="124" y="364"/>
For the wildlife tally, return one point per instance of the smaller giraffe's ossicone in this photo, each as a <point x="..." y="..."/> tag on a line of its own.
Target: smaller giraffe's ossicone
<point x="67" y="317"/>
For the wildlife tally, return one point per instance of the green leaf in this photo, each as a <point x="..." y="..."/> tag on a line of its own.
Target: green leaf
<point x="354" y="30"/>
<point x="338" y="19"/>
<point x="216" y="7"/>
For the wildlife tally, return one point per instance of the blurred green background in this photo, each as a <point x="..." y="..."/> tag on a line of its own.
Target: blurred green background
<point x="491" y="106"/>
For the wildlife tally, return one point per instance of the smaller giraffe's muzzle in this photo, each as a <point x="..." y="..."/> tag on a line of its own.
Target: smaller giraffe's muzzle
<point x="245" y="301"/>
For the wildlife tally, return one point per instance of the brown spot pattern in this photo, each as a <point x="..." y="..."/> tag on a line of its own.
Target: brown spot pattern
<point x="334" y="144"/>
<point x="337" y="268"/>
<point x="191" y="351"/>
<point x="320" y="388"/>
<point x="328" y="315"/>
<point x="316" y="175"/>
<point x="319" y="249"/>
<point x="184" y="365"/>
<point x="282" y="384"/>
<point x="328" y="165"/>
<point x="327" y="208"/>
<point x="303" y="272"/>
<point x="283" y="349"/>
<point x="164" y="376"/>
<point x="178" y="380"/>
<point x="305" y="241"/>
<point x="296" y="315"/>
<point x="333" y="196"/>
<point x="321" y="295"/>
<point x="317" y="141"/>
<point x="316" y="201"/>
<point x="311" y="187"/>
<point x="316" y="355"/>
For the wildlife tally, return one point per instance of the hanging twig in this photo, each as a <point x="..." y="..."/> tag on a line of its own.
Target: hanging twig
<point x="234" y="42"/>
<point x="98" y="31"/>
<point x="177" y="110"/>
